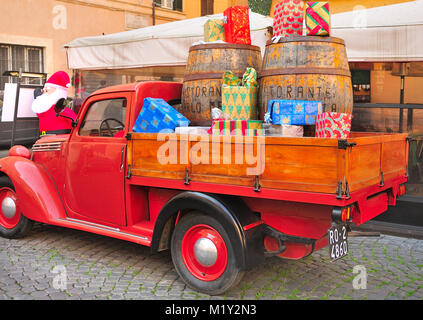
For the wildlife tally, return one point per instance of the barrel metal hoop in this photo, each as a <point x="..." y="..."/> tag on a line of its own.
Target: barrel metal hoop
<point x="292" y="71"/>
<point x="208" y="76"/>
<point x="225" y="46"/>
<point x="308" y="39"/>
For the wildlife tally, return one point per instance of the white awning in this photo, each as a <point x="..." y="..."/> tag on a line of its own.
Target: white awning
<point x="387" y="33"/>
<point x="161" y="45"/>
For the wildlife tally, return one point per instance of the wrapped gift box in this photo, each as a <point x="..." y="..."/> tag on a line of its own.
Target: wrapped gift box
<point x="293" y="112"/>
<point x="288" y="18"/>
<point x="214" y="30"/>
<point x="158" y="116"/>
<point x="283" y="130"/>
<point x="317" y="18"/>
<point x="237" y="25"/>
<point x="333" y="125"/>
<point x="192" y="130"/>
<point x="239" y="98"/>
<point x="238" y="127"/>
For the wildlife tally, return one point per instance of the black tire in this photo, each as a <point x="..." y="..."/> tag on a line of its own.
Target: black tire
<point x="23" y="225"/>
<point x="219" y="284"/>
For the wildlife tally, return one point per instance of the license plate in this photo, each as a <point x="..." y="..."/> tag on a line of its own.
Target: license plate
<point x="338" y="245"/>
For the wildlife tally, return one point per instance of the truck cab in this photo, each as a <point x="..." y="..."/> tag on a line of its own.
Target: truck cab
<point x="89" y="165"/>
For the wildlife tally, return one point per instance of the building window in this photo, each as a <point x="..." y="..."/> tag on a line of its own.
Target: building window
<point x="170" y="4"/>
<point x="361" y="85"/>
<point x="207" y="7"/>
<point x="15" y="57"/>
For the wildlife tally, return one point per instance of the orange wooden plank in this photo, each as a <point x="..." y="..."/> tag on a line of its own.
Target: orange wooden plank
<point x="303" y="164"/>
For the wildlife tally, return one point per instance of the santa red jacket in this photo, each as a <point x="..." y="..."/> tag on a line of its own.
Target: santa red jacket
<point x="50" y="123"/>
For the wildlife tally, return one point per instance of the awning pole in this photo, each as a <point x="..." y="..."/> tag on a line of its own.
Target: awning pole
<point x="15" y="116"/>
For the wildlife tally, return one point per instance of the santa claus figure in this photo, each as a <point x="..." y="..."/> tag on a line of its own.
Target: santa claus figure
<point x="55" y="90"/>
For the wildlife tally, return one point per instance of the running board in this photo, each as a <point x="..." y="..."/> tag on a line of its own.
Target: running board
<point x="102" y="230"/>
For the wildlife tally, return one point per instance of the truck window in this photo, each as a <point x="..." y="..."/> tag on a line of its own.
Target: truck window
<point x="105" y="118"/>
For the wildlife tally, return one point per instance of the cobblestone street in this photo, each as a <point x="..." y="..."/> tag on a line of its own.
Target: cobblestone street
<point x="97" y="267"/>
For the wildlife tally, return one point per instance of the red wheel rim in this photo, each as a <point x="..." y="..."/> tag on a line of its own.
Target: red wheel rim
<point x="194" y="258"/>
<point x="7" y="221"/>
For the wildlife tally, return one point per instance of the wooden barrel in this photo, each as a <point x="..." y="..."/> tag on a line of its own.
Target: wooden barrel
<point x="202" y="86"/>
<point x="306" y="68"/>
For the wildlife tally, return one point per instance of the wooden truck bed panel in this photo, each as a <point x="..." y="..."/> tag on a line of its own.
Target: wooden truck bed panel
<point x="300" y="167"/>
<point x="298" y="164"/>
<point x="220" y="160"/>
<point x="364" y="166"/>
<point x="376" y="158"/>
<point x="393" y="154"/>
<point x="143" y="159"/>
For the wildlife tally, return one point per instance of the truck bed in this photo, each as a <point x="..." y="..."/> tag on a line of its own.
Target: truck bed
<point x="330" y="166"/>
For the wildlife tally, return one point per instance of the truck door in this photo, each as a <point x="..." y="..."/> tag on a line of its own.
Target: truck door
<point x="95" y="162"/>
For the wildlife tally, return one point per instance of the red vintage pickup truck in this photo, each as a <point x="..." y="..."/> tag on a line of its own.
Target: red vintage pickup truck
<point x="220" y="217"/>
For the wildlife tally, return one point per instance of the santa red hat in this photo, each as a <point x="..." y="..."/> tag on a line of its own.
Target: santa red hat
<point x="59" y="79"/>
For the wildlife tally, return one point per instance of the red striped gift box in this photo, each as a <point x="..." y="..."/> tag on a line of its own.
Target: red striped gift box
<point x="317" y="18"/>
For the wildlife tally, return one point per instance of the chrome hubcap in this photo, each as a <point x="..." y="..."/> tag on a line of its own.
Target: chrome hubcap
<point x="205" y="252"/>
<point x="8" y="207"/>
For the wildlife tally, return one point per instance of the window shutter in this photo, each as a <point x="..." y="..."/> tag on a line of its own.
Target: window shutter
<point x="4" y="65"/>
<point x="177" y="5"/>
<point x="207" y="7"/>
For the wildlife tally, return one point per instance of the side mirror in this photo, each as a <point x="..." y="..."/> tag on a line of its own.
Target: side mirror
<point x="59" y="106"/>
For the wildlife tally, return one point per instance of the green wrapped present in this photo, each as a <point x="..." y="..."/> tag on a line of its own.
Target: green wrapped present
<point x="214" y="30"/>
<point x="239" y="98"/>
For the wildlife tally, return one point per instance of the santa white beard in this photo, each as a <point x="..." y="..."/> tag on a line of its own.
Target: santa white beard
<point x="46" y="101"/>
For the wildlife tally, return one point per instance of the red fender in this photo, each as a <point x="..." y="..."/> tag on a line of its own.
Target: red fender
<point x="36" y="191"/>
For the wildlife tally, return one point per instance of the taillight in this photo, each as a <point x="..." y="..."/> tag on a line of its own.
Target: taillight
<point x="343" y="214"/>
<point x="401" y="191"/>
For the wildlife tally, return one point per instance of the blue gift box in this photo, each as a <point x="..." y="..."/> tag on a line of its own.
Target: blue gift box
<point x="293" y="112"/>
<point x="158" y="116"/>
